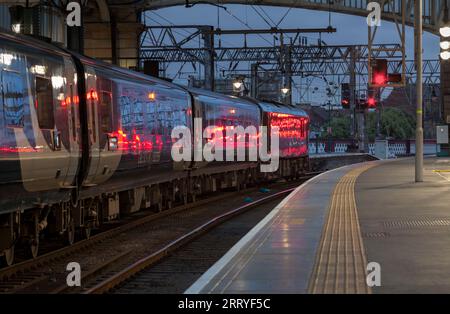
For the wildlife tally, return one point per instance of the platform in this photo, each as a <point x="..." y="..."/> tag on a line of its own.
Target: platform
<point x="322" y="236"/>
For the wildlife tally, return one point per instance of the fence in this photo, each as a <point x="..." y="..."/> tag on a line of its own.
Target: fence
<point x="396" y="147"/>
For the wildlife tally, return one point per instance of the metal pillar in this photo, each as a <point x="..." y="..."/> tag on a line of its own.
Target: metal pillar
<point x="362" y="145"/>
<point x="254" y="80"/>
<point x="352" y="84"/>
<point x="288" y="78"/>
<point x="208" y="40"/>
<point x="378" y="112"/>
<point x="286" y="67"/>
<point x="419" y="128"/>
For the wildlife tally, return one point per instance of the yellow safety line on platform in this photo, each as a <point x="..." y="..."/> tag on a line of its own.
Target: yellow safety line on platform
<point x="341" y="261"/>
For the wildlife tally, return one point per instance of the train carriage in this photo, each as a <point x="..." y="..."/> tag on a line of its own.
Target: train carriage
<point x="83" y="142"/>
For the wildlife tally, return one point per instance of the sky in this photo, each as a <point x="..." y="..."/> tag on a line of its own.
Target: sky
<point x="350" y="30"/>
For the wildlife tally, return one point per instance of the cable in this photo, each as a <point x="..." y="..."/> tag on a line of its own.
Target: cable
<point x="175" y="31"/>
<point x="172" y="24"/>
<point x="263" y="18"/>
<point x="287" y="12"/>
<point x="245" y="24"/>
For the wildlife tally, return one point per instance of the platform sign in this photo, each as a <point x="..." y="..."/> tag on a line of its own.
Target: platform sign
<point x="442" y="134"/>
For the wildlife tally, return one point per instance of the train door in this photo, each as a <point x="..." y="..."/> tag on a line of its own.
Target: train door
<point x="199" y="121"/>
<point x="105" y="153"/>
<point x="42" y="143"/>
<point x="110" y="150"/>
<point x="91" y="119"/>
<point x="69" y="119"/>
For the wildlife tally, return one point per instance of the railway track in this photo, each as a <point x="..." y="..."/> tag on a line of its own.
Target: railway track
<point x="111" y="257"/>
<point x="175" y="273"/>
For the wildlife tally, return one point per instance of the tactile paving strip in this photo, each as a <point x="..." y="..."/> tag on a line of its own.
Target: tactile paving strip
<point x="341" y="261"/>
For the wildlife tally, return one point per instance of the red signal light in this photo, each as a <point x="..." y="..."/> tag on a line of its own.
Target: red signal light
<point x="379" y="79"/>
<point x="345" y="103"/>
<point x="379" y="72"/>
<point x="371" y="102"/>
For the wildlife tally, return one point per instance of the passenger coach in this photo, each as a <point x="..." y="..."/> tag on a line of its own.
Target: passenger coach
<point x="83" y="142"/>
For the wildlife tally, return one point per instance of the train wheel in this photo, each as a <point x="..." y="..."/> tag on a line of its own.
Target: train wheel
<point x="33" y="243"/>
<point x="34" y="247"/>
<point x="70" y="232"/>
<point x="8" y="256"/>
<point x="87" y="232"/>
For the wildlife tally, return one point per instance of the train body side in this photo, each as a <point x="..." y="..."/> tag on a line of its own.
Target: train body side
<point x="39" y="125"/>
<point x="129" y="120"/>
<point x="82" y="142"/>
<point x="293" y="128"/>
<point x="224" y="115"/>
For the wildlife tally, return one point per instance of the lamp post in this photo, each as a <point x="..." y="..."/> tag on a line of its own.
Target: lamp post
<point x="419" y="128"/>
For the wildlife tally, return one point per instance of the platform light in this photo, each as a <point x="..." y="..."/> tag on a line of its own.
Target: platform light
<point x="285" y="91"/>
<point x="445" y="45"/>
<point x="445" y="30"/>
<point x="445" y="55"/>
<point x="238" y="85"/>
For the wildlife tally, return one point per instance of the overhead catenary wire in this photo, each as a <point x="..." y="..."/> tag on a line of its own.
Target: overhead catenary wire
<point x="262" y="16"/>
<point x="175" y="31"/>
<point x="247" y="25"/>
<point x="286" y="14"/>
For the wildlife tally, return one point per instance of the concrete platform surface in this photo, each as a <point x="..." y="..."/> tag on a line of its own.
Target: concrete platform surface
<point x="321" y="238"/>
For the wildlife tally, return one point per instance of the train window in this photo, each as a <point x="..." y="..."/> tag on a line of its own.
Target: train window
<point x="138" y="112"/>
<point x="44" y="103"/>
<point x="106" y="112"/>
<point x="72" y="114"/>
<point x="13" y="98"/>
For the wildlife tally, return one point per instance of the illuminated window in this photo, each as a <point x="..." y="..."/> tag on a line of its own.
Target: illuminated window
<point x="105" y="112"/>
<point x="13" y="98"/>
<point x="44" y="103"/>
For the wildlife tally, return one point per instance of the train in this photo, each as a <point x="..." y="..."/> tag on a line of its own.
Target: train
<point x="83" y="142"/>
